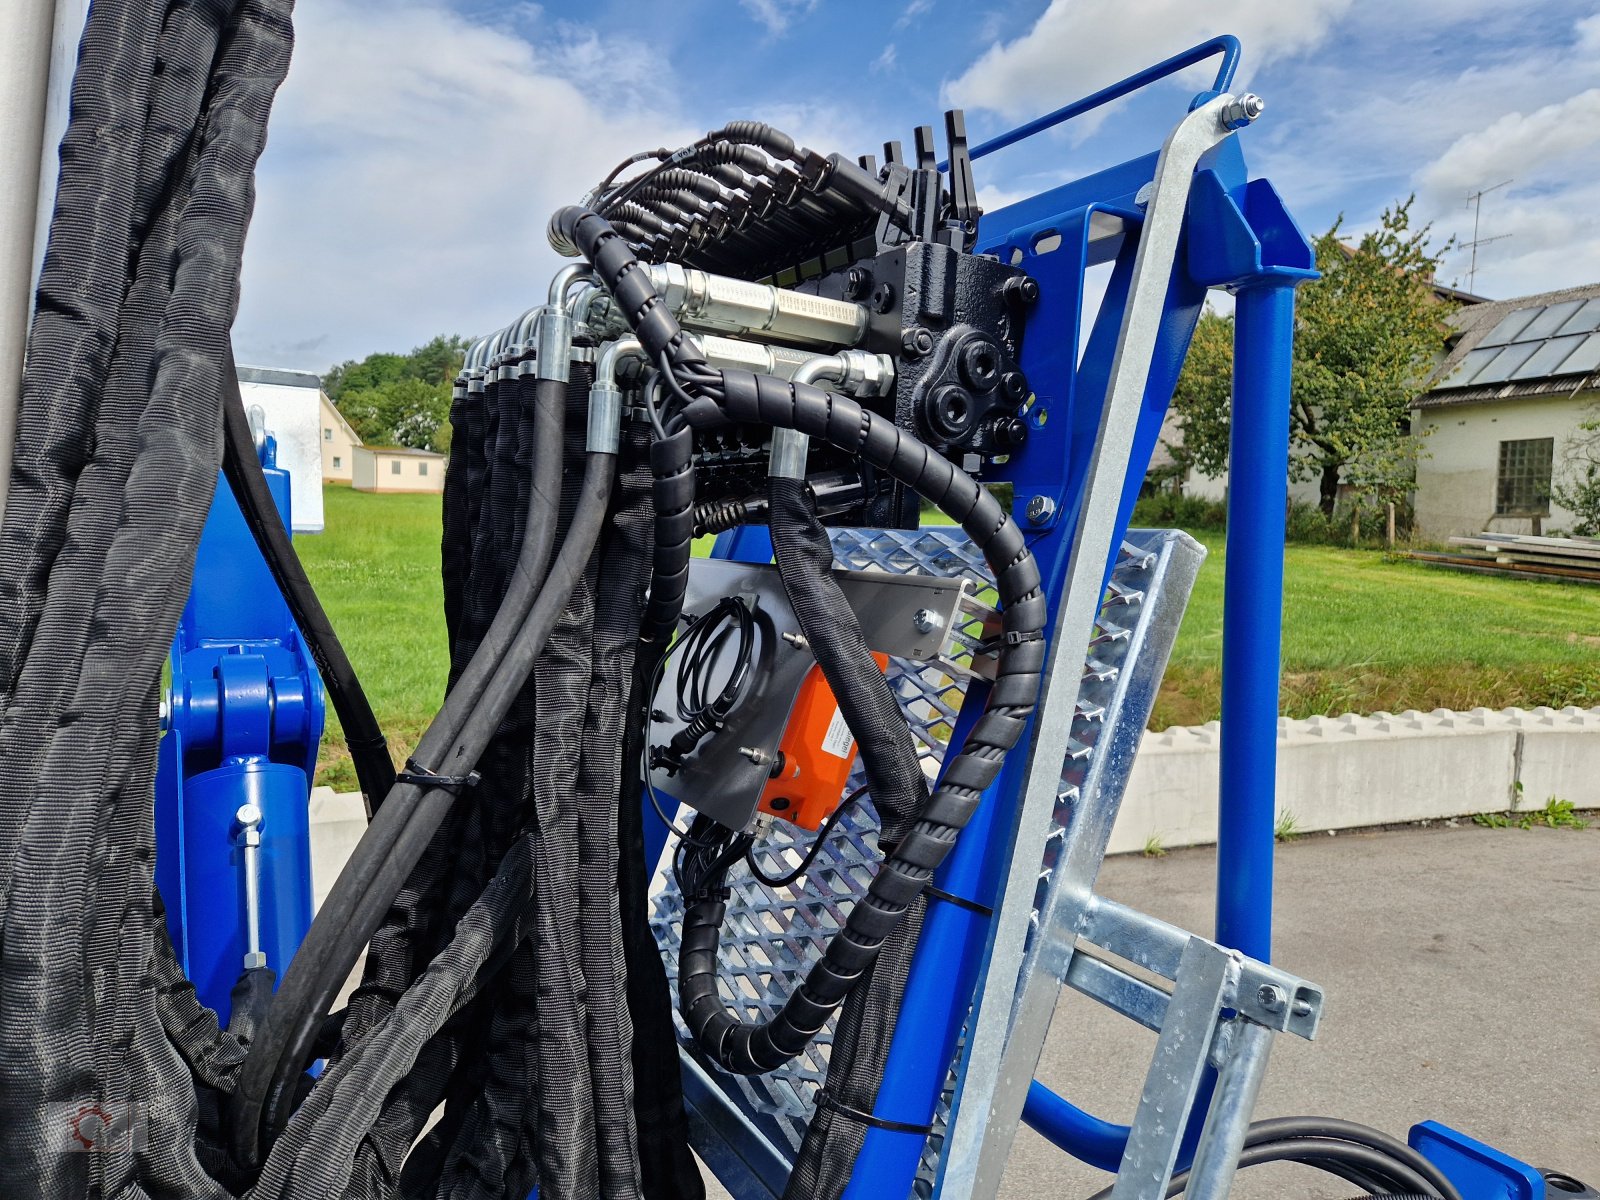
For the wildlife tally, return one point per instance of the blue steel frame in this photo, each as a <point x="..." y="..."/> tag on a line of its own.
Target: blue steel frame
<point x="1238" y="236"/>
<point x="245" y="717"/>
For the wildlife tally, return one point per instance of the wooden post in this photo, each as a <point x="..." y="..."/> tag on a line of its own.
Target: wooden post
<point x="1355" y="524"/>
<point x="1391" y="524"/>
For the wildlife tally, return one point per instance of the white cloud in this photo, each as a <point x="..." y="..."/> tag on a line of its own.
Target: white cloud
<point x="1516" y="145"/>
<point x="1077" y="46"/>
<point x="885" y="61"/>
<point x="415" y="157"/>
<point x="777" y="15"/>
<point x="912" y="12"/>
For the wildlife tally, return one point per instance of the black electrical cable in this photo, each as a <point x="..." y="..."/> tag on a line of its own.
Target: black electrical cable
<point x="369" y="750"/>
<point x="711" y="400"/>
<point x="810" y="856"/>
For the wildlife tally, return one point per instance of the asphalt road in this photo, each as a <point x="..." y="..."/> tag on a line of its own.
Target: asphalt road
<point x="1462" y="972"/>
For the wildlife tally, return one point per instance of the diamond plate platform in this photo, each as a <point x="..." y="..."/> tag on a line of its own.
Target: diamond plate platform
<point x="748" y="1128"/>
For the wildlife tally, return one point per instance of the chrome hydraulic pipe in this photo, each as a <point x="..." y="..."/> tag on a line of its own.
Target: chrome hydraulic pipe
<point x="855" y="371"/>
<point x="605" y="396"/>
<point x="718" y="303"/>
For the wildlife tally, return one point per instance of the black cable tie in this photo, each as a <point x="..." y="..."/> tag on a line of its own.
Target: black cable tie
<point x="424" y="778"/>
<point x="824" y="1100"/>
<point x="933" y="893"/>
<point x="1015" y="637"/>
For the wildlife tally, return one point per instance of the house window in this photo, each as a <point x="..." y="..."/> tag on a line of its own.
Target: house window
<point x="394" y="466"/>
<point x="422" y="468"/>
<point x="327" y="434"/>
<point x="1522" y="488"/>
<point x="336" y="463"/>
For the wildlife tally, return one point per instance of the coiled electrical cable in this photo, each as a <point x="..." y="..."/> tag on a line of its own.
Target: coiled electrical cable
<point x="709" y="398"/>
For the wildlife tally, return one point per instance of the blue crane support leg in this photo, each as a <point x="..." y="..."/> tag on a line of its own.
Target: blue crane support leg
<point x="1252" y="613"/>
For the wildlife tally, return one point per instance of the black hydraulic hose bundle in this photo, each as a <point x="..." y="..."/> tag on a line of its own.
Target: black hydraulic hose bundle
<point x="403" y="828"/>
<point x="119" y="443"/>
<point x="369" y="750"/>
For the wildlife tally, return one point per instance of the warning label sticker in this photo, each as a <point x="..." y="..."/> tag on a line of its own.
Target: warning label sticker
<point x="837" y="741"/>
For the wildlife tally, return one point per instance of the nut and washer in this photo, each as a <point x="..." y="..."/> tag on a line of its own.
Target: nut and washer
<point x="926" y="620"/>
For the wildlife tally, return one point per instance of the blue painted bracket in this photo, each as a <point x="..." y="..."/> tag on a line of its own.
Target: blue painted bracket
<point x="244" y="719"/>
<point x="1479" y="1172"/>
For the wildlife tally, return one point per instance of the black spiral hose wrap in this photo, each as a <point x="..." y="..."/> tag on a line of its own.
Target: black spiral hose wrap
<point x="713" y="399"/>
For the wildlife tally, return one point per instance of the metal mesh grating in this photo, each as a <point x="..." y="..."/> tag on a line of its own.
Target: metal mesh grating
<point x="770" y="939"/>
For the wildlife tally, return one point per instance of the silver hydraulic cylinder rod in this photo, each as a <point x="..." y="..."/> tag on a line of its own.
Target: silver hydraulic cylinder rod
<point x="26" y="27"/>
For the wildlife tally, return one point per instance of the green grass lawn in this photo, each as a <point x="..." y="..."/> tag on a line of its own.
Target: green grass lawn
<point x="1362" y="632"/>
<point x="376" y="568"/>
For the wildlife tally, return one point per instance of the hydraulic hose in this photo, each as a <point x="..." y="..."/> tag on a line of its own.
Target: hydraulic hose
<point x="805" y="563"/>
<point x="569" y="566"/>
<point x="1358" y="1154"/>
<point x="368" y="881"/>
<point x="480" y="725"/>
<point x="711" y="399"/>
<point x="369" y="751"/>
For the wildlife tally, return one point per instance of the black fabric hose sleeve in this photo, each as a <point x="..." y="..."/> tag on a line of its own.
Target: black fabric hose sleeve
<point x="804" y="557"/>
<point x="357" y="920"/>
<point x="369" y="751"/>
<point x="332" y="944"/>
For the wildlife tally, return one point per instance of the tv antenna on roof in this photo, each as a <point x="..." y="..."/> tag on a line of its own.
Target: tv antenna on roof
<point x="1475" y="199"/>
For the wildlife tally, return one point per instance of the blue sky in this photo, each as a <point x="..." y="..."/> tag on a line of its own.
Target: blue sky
<point x="420" y="145"/>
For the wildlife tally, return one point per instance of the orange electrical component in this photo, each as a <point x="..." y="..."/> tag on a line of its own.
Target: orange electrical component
<point x="817" y="751"/>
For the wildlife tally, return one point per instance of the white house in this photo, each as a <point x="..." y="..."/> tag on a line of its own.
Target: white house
<point x="1501" y="417"/>
<point x="398" y="469"/>
<point x="339" y="441"/>
<point x="292" y="403"/>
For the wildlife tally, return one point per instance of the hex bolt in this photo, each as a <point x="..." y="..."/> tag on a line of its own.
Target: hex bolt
<point x="760" y="757"/>
<point x="926" y="620"/>
<point x="1301" y="1008"/>
<point x="1040" y="510"/>
<point x="797" y="640"/>
<point x="1242" y="110"/>
<point x="882" y="298"/>
<point x="1270" y="997"/>
<point x="855" y="283"/>
<point x="1024" y="288"/>
<point x="917" y="342"/>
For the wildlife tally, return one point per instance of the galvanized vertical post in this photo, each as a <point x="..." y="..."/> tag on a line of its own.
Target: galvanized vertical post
<point x="25" y="30"/>
<point x="1252" y="613"/>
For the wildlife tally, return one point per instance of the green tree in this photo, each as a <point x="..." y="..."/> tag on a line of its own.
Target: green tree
<point x="1578" y="488"/>
<point x="1367" y="333"/>
<point x="400" y="399"/>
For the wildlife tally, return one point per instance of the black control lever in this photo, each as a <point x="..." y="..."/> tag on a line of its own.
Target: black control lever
<point x="964" y="208"/>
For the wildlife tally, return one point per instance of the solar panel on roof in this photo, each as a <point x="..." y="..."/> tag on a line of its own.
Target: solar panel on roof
<point x="1507" y="361"/>
<point x="1585" y="320"/>
<point x="1548" y="358"/>
<point x="1513" y="323"/>
<point x="1585" y="358"/>
<point x="1548" y="321"/>
<point x="1471" y="363"/>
